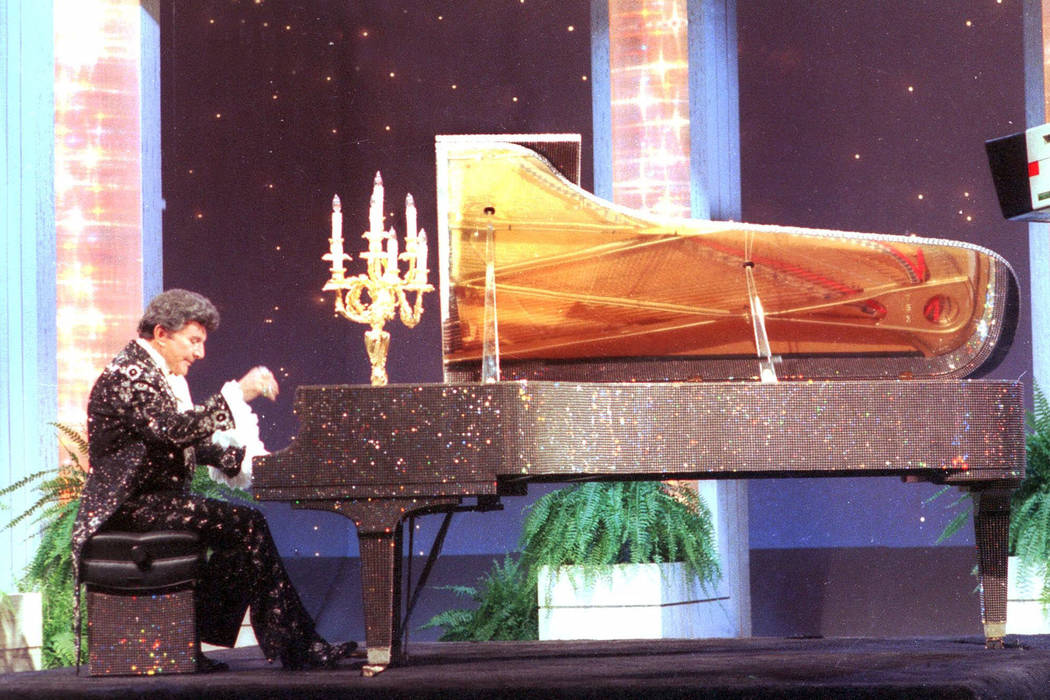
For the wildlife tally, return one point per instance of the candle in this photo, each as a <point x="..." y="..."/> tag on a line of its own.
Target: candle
<point x="410" y="216"/>
<point x="337" y="235"/>
<point x="391" y="252"/>
<point x="375" y="206"/>
<point x="421" y="257"/>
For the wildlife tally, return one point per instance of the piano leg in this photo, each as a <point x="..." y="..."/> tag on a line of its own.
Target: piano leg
<point x="381" y="593"/>
<point x="991" y="529"/>
<point x="379" y="531"/>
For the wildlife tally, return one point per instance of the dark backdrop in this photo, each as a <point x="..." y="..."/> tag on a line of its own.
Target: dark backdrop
<point x="861" y="116"/>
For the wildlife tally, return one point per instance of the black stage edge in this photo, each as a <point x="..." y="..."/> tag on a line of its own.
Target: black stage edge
<point x="712" y="668"/>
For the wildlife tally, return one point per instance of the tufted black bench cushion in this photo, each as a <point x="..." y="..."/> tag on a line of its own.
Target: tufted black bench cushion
<point x="137" y="561"/>
<point x="140" y="596"/>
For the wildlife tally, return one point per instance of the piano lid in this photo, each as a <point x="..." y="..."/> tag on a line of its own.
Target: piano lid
<point x="587" y="289"/>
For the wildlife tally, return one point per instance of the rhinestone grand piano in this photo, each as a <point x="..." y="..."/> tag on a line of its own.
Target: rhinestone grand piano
<point x="585" y="341"/>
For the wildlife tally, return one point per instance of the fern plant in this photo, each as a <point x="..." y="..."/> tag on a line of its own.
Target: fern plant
<point x="1030" y="503"/>
<point x="505" y="607"/>
<point x="51" y="570"/>
<point x="591" y="525"/>
<point x="596" y="524"/>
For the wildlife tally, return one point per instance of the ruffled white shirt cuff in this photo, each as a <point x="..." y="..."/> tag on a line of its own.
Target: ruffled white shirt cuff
<point x="245" y="433"/>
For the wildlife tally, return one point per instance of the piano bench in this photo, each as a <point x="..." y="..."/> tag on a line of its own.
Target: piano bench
<point x="140" y="602"/>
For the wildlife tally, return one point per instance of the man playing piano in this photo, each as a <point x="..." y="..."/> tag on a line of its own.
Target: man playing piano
<point x="146" y="437"/>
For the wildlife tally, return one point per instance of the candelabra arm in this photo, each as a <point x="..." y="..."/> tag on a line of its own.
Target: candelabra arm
<point x="411" y="313"/>
<point x="350" y="303"/>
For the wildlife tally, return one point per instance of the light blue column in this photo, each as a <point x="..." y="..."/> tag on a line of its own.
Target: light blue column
<point x="150" y="123"/>
<point x="601" y="99"/>
<point x="715" y="194"/>
<point x="714" y="155"/>
<point x="714" y="111"/>
<point x="28" y="367"/>
<point x="1038" y="233"/>
<point x="28" y="363"/>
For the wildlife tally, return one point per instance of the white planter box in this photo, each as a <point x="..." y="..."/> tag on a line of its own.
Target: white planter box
<point x="634" y="601"/>
<point x="1024" y="613"/>
<point x="21" y="632"/>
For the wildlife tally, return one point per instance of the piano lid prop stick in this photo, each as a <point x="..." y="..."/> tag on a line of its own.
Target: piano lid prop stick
<point x="490" y="339"/>
<point x="766" y="373"/>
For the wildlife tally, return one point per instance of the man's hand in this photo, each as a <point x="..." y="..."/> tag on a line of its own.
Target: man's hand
<point x="259" y="382"/>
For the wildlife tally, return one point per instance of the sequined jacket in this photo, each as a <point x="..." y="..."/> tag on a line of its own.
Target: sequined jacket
<point x="140" y="442"/>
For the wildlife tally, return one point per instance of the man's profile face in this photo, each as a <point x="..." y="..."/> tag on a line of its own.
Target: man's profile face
<point x="180" y="348"/>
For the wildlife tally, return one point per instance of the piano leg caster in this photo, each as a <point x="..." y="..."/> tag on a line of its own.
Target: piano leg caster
<point x="379" y="658"/>
<point x="993" y="635"/>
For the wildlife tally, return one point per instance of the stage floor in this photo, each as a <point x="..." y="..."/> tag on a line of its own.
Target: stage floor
<point x="733" y="668"/>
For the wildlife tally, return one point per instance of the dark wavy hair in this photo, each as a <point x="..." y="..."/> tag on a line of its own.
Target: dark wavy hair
<point x="175" y="308"/>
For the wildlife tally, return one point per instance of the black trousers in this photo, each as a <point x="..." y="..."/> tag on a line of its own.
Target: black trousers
<point x="243" y="570"/>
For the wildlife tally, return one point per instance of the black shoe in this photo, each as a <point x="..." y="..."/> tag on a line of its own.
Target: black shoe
<point x="206" y="665"/>
<point x="318" y="655"/>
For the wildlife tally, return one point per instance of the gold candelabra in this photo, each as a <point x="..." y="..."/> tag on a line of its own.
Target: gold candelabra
<point x="387" y="290"/>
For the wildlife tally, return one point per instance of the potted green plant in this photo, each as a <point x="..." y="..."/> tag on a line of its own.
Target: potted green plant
<point x="582" y="536"/>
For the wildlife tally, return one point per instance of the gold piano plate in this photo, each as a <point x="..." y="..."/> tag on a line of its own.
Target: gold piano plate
<point x="579" y="280"/>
